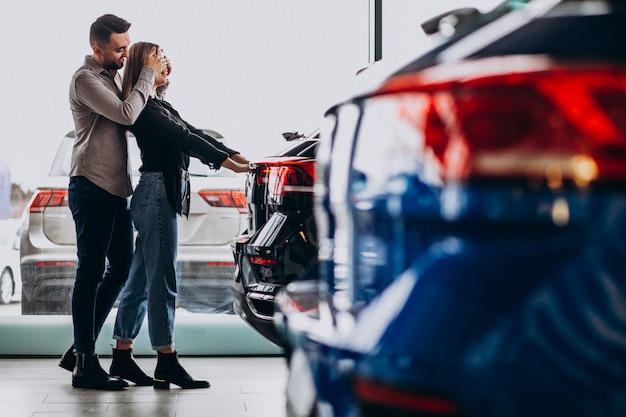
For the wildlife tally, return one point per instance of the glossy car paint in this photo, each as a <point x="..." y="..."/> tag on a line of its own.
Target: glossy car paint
<point x="280" y="245"/>
<point x="477" y="271"/>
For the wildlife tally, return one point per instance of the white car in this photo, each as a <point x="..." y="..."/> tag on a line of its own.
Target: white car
<point x="10" y="277"/>
<point x="205" y="260"/>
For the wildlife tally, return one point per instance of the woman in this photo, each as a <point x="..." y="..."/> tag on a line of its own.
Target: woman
<point x="166" y="141"/>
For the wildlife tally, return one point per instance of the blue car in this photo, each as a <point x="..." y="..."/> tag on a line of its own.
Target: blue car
<point x="471" y="215"/>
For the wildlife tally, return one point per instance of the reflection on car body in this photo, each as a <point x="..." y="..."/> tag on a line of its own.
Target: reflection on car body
<point x="280" y="243"/>
<point x="471" y="222"/>
<point x="205" y="264"/>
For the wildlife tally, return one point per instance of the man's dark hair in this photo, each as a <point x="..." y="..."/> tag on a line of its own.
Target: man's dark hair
<point x="104" y="26"/>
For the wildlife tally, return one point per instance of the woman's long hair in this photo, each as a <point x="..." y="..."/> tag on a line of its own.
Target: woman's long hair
<point x="136" y="56"/>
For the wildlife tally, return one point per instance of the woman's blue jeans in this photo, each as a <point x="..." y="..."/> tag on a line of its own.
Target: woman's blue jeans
<point x="152" y="283"/>
<point x="104" y="232"/>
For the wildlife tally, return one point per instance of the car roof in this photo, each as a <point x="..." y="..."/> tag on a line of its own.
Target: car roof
<point x="563" y="29"/>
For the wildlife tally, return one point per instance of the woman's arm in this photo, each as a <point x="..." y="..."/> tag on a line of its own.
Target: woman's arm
<point x="157" y="122"/>
<point x="234" y="155"/>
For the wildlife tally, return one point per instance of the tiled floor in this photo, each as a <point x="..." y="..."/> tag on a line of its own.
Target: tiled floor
<point x="240" y="387"/>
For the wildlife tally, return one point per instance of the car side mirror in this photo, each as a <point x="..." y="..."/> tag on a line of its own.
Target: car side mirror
<point x="448" y="22"/>
<point x="289" y="136"/>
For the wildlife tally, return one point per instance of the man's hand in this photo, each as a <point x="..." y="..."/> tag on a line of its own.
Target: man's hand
<point x="168" y="65"/>
<point x="153" y="61"/>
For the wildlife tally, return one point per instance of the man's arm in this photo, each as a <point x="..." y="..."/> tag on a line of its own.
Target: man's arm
<point x="91" y="92"/>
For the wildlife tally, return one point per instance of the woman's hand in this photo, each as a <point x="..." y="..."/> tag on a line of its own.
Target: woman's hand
<point x="240" y="158"/>
<point x="236" y="166"/>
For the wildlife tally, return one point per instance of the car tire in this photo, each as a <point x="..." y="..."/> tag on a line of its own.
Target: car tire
<point x="6" y="286"/>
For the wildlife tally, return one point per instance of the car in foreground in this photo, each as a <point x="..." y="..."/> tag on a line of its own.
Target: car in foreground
<point x="10" y="276"/>
<point x="473" y="208"/>
<point x="279" y="245"/>
<point x="205" y="264"/>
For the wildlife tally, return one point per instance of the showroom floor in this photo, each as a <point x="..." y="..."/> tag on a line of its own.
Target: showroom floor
<point x="240" y="387"/>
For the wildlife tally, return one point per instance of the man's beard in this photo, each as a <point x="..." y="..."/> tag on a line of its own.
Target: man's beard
<point x="112" y="65"/>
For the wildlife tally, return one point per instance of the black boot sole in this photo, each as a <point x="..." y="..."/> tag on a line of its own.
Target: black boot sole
<point x="165" y="384"/>
<point x="136" y="381"/>
<point x="102" y="387"/>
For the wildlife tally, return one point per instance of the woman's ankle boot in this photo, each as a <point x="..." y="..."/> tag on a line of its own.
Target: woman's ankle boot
<point x="169" y="370"/>
<point x="89" y="374"/>
<point x="68" y="360"/>
<point x="123" y="366"/>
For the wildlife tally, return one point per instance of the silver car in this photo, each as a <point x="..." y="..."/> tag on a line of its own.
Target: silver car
<point x="205" y="261"/>
<point x="10" y="278"/>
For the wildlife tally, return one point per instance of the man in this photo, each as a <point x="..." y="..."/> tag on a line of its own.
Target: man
<point x="100" y="182"/>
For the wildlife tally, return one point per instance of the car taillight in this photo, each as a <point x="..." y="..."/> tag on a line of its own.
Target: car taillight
<point x="55" y="263"/>
<point x="47" y="198"/>
<point x="236" y="199"/>
<point x="263" y="261"/>
<point x="512" y="118"/>
<point x="379" y="398"/>
<point x="286" y="177"/>
<point x="220" y="264"/>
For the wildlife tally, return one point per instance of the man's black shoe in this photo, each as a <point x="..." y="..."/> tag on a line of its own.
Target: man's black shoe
<point x="89" y="374"/>
<point x="68" y="360"/>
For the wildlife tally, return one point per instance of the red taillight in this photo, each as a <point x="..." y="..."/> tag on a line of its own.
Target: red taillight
<point x="527" y="118"/>
<point x="380" y="395"/>
<point x="55" y="263"/>
<point x="263" y="261"/>
<point x="220" y="264"/>
<point x="235" y="199"/>
<point x="48" y="198"/>
<point x="285" y="177"/>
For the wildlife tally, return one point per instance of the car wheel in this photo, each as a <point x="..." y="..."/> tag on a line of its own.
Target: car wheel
<point x="6" y="286"/>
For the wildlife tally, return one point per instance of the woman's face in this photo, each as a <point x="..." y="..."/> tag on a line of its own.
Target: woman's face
<point x="161" y="78"/>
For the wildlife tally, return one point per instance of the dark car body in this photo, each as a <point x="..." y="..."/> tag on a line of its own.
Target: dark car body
<point x="280" y="243"/>
<point x="477" y="269"/>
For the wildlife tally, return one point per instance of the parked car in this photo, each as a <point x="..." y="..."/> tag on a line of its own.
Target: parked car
<point x="280" y="243"/>
<point x="474" y="208"/>
<point x="205" y="263"/>
<point x="10" y="277"/>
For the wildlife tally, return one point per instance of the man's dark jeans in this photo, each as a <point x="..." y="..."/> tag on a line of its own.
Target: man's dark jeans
<point x="104" y="239"/>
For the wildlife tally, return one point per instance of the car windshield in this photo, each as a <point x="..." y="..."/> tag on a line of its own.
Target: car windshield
<point x="303" y="148"/>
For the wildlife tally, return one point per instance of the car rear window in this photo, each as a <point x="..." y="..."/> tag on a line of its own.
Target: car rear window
<point x="303" y="148"/>
<point x="61" y="164"/>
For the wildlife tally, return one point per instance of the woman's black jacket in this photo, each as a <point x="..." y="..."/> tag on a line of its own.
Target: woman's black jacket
<point x="166" y="142"/>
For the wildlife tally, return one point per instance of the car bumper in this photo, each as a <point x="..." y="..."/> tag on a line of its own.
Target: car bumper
<point x="254" y="302"/>
<point x="280" y="252"/>
<point x="206" y="286"/>
<point x="320" y="365"/>
<point x="47" y="287"/>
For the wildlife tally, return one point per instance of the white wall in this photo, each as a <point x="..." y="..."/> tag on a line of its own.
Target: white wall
<point x="250" y="69"/>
